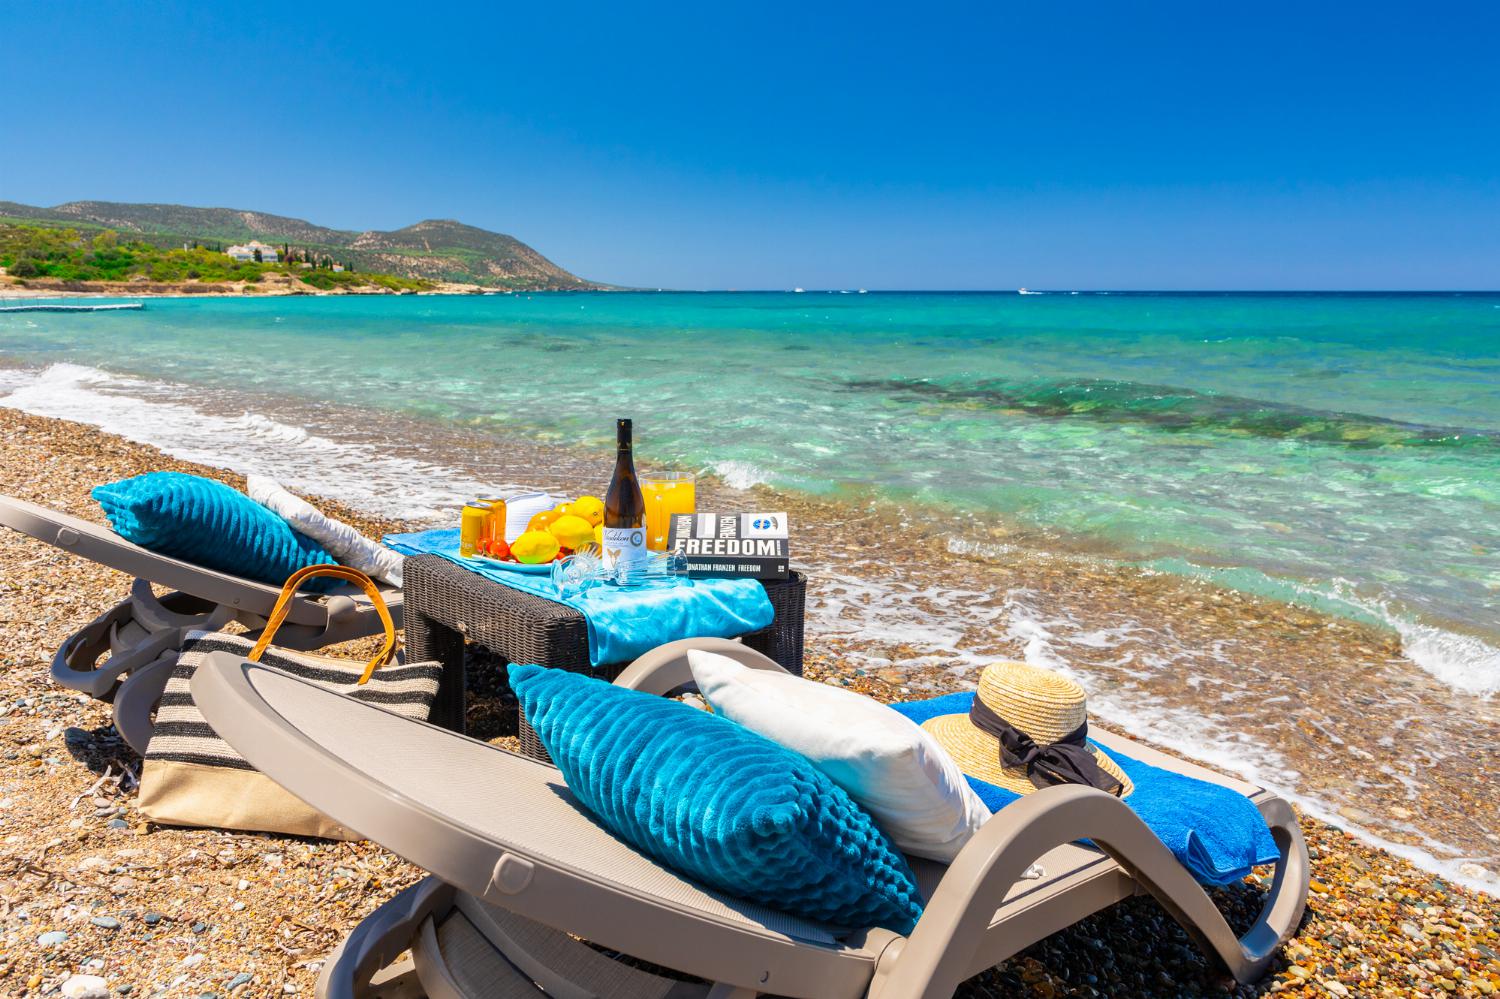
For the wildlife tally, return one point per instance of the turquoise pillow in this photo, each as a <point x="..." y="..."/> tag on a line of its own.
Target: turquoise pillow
<point x="207" y="523"/>
<point x="719" y="802"/>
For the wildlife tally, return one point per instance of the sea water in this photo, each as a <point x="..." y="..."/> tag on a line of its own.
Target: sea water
<point x="1338" y="451"/>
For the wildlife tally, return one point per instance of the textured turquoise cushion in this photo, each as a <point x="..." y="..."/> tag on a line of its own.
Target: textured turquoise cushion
<point x="719" y="802"/>
<point x="207" y="523"/>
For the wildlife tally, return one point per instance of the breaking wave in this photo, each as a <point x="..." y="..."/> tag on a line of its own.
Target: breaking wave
<point x="364" y="474"/>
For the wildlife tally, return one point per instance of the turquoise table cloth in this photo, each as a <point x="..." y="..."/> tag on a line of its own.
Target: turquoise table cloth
<point x="622" y="624"/>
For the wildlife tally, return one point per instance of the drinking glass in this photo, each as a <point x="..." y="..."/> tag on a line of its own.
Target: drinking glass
<point x="584" y="570"/>
<point x="666" y="493"/>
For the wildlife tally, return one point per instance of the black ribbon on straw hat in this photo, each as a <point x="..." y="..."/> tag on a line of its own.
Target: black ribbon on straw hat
<point x="1066" y="761"/>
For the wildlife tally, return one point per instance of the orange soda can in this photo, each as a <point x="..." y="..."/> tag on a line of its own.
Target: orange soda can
<point x="471" y="528"/>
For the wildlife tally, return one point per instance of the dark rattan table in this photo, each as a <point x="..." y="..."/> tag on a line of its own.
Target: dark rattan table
<point x="447" y="604"/>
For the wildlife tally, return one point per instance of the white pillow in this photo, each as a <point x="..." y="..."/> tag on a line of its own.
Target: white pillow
<point x="885" y="761"/>
<point x="340" y="540"/>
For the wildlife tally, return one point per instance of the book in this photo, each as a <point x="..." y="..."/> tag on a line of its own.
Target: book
<point x="718" y="545"/>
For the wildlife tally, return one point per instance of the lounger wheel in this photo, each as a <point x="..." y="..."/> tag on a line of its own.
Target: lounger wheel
<point x="135" y="632"/>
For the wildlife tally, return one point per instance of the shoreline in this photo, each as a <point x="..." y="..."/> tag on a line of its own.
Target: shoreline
<point x="271" y="907"/>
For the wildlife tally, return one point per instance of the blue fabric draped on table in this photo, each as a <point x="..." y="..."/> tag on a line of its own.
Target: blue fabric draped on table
<point x="623" y="624"/>
<point x="1216" y="833"/>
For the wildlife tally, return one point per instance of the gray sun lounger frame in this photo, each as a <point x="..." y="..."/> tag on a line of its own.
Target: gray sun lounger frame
<point x="519" y="868"/>
<point x="143" y="633"/>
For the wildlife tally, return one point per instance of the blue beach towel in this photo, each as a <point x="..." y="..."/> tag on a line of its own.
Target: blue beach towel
<point x="623" y="624"/>
<point x="1214" y="832"/>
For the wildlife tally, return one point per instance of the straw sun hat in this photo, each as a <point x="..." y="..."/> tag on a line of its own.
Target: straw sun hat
<point x="1043" y="707"/>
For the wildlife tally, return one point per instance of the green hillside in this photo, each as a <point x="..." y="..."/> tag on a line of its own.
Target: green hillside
<point x="69" y="254"/>
<point x="434" y="250"/>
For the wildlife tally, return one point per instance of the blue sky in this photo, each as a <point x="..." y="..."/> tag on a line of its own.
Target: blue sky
<point x="1080" y="145"/>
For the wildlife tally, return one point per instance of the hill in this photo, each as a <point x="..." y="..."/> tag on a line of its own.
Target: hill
<point x="435" y="250"/>
<point x="47" y="257"/>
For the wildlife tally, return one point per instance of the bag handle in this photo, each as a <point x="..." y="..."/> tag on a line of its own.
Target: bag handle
<point x="296" y="579"/>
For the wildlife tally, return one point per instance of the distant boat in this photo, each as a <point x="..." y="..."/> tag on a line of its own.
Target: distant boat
<point x="1023" y="291"/>
<point x="797" y="290"/>
<point x="863" y="292"/>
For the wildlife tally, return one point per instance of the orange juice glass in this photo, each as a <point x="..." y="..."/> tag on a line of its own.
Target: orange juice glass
<point x="666" y="493"/>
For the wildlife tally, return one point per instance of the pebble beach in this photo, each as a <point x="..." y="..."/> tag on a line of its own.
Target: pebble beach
<point x="96" y="901"/>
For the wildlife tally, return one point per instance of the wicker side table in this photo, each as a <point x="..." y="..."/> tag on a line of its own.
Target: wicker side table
<point x="447" y="604"/>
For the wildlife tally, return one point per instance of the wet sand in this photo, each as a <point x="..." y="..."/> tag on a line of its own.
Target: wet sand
<point x="162" y="911"/>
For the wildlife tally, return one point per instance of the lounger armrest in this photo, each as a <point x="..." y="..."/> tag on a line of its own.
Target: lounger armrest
<point x="665" y="668"/>
<point x="946" y="943"/>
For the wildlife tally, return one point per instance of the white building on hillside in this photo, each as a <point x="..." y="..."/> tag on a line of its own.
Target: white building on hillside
<point x="268" y="254"/>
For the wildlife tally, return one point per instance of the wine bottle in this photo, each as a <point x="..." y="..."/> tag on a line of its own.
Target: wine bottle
<point x="624" y="508"/>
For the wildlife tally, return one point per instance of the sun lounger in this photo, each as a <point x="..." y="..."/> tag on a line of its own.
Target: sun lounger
<point x="520" y="871"/>
<point x="143" y="633"/>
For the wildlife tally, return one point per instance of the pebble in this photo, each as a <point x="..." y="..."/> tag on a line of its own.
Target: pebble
<point x="106" y="922"/>
<point x="243" y="978"/>
<point x="52" y="939"/>
<point x="152" y="918"/>
<point x="199" y="927"/>
<point x="118" y="824"/>
<point x="85" y="987"/>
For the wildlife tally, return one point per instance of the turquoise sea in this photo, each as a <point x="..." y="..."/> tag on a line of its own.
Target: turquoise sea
<point x="1342" y="450"/>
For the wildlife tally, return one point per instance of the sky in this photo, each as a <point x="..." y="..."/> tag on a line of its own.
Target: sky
<point x="921" y="145"/>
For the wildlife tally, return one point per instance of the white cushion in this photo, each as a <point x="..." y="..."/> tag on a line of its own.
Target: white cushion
<point x="339" y="539"/>
<point x="885" y="761"/>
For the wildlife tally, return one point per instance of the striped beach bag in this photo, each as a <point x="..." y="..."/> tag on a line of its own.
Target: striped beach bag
<point x="191" y="777"/>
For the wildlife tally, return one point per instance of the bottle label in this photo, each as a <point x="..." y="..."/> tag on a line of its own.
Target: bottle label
<point x="623" y="545"/>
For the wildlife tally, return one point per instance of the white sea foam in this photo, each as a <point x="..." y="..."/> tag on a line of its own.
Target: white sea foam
<point x="164" y="416"/>
<point x="1466" y="663"/>
<point x="740" y="474"/>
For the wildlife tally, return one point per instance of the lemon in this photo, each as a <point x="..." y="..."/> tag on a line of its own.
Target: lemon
<point x="590" y="508"/>
<point x="541" y="521"/>
<point x="534" y="547"/>
<point x="571" y="531"/>
<point x="599" y="533"/>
